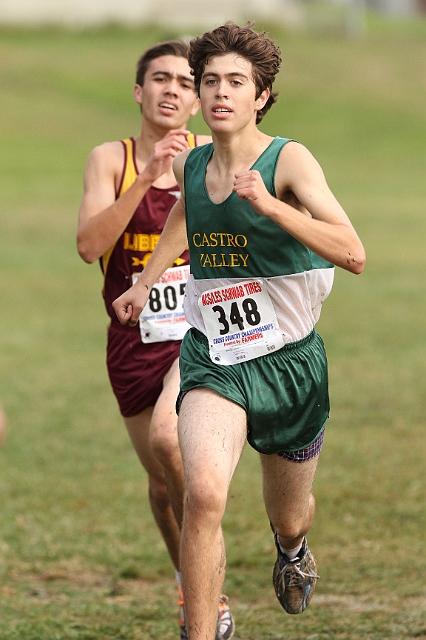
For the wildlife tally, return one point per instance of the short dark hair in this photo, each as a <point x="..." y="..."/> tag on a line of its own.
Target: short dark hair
<point x="177" y="48"/>
<point x="257" y="48"/>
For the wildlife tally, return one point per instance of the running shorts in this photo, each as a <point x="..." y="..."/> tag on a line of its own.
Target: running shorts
<point x="137" y="370"/>
<point x="284" y="394"/>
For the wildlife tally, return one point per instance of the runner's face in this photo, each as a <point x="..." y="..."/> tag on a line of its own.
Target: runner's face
<point x="228" y="94"/>
<point x="167" y="96"/>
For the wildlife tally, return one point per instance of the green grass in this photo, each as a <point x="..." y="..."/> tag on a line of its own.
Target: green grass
<point x="80" y="557"/>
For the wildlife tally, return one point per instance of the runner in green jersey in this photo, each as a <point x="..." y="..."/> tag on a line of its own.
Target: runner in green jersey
<point x="264" y="233"/>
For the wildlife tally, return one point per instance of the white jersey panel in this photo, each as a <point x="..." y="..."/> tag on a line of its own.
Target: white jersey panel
<point x="297" y="299"/>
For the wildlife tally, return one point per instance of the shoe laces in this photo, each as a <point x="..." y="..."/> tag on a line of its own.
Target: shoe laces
<point x="295" y="573"/>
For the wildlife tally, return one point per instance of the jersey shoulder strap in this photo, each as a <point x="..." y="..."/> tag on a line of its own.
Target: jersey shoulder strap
<point x="128" y="177"/>
<point x="130" y="171"/>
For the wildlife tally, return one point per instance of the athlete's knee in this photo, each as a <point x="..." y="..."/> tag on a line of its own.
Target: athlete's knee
<point x="291" y="533"/>
<point x="204" y="499"/>
<point x="158" y="492"/>
<point x="164" y="443"/>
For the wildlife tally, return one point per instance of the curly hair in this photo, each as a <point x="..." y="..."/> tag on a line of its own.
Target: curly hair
<point x="257" y="48"/>
<point x="177" y="48"/>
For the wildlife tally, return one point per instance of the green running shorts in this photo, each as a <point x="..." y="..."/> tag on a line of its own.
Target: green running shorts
<point x="284" y="394"/>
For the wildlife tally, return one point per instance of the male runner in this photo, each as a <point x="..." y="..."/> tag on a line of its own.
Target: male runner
<point x="129" y="189"/>
<point x="264" y="233"/>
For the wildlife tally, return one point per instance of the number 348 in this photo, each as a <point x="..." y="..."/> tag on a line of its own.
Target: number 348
<point x="251" y="315"/>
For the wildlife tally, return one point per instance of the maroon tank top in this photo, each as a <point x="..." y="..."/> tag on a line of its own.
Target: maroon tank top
<point x="134" y="247"/>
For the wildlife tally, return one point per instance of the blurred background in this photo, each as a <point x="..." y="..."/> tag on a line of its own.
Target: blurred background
<point x="80" y="556"/>
<point x="194" y="12"/>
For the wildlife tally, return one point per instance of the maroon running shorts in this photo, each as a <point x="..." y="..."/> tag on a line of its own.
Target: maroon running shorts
<point x="137" y="370"/>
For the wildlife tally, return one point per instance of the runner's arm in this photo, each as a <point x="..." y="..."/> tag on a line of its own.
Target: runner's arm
<point x="102" y="217"/>
<point x="320" y="223"/>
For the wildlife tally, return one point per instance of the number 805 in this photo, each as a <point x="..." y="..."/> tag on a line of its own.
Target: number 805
<point x="168" y="299"/>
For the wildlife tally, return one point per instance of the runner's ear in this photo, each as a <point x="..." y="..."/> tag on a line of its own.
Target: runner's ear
<point x="137" y="93"/>
<point x="196" y="106"/>
<point x="262" y="99"/>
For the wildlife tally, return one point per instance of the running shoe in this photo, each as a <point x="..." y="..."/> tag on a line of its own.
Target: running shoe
<point x="225" y="622"/>
<point x="294" y="580"/>
<point x="183" y="632"/>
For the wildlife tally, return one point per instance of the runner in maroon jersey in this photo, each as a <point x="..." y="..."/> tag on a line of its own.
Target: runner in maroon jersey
<point x="129" y="189"/>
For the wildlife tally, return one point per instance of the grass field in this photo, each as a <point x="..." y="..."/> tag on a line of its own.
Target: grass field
<point x="80" y="557"/>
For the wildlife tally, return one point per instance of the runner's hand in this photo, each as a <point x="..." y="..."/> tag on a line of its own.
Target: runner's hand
<point x="248" y="185"/>
<point x="130" y="304"/>
<point x="165" y="151"/>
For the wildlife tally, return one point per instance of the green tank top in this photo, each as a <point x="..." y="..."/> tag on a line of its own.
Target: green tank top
<point x="231" y="240"/>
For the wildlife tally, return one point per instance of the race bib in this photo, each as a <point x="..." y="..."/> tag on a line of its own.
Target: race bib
<point x="241" y="323"/>
<point x="162" y="318"/>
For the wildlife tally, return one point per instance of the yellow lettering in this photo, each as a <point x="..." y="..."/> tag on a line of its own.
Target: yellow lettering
<point x="216" y="260"/>
<point x="130" y="246"/>
<point x="154" y="241"/>
<point x="143" y="242"/>
<point x="140" y="241"/>
<point x="219" y="238"/>
<point x="237" y="242"/>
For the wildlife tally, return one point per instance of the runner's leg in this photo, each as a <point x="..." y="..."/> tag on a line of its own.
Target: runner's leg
<point x="138" y="428"/>
<point x="287" y="492"/>
<point x="212" y="434"/>
<point x="164" y="439"/>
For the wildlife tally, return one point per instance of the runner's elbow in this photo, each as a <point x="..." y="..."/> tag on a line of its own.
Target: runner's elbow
<point x="85" y="251"/>
<point x="355" y="262"/>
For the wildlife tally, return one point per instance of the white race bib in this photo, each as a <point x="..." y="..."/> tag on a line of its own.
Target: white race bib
<point x="162" y="318"/>
<point x="240" y="321"/>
